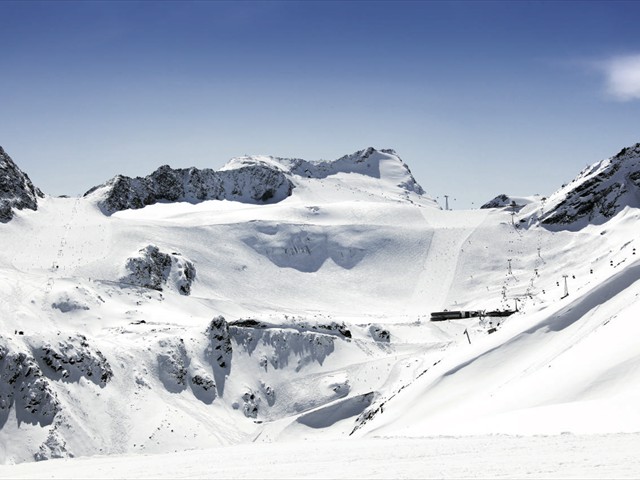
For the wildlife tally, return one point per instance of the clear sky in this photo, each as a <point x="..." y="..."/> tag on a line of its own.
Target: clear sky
<point x="479" y="98"/>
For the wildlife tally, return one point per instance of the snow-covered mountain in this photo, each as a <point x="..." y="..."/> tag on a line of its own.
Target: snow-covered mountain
<point x="598" y="193"/>
<point x="252" y="184"/>
<point x="197" y="313"/>
<point x="252" y="179"/>
<point x="16" y="190"/>
<point x="514" y="203"/>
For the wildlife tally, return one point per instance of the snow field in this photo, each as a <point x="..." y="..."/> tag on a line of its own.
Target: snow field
<point x="344" y="249"/>
<point x="496" y="456"/>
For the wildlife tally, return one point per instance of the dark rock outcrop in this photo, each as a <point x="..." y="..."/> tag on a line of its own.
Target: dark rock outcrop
<point x="599" y="192"/>
<point x="249" y="184"/>
<point x="173" y="363"/>
<point x="53" y="447"/>
<point x="73" y="358"/>
<point x="203" y="382"/>
<point x="154" y="269"/>
<point x="250" y="404"/>
<point x="24" y="387"/>
<point x="248" y="179"/>
<point x="219" y="351"/>
<point x="379" y="334"/>
<point x="500" y="201"/>
<point x="16" y="189"/>
<point x="301" y="341"/>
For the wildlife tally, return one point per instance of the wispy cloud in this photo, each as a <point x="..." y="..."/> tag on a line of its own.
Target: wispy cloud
<point x="623" y="77"/>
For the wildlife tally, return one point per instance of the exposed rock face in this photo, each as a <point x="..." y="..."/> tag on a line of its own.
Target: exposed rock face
<point x="24" y="387"/>
<point x="599" y="192"/>
<point x="154" y="269"/>
<point x="73" y="358"/>
<point x="250" y="404"/>
<point x="249" y="179"/>
<point x="173" y="363"/>
<point x="514" y="204"/>
<point x="203" y="387"/>
<point x="303" y="342"/>
<point x="500" y="201"/>
<point x="203" y="382"/>
<point x="53" y="447"/>
<point x="250" y="184"/>
<point x="379" y="334"/>
<point x="150" y="269"/>
<point x="219" y="350"/>
<point x="16" y="190"/>
<point x="25" y="377"/>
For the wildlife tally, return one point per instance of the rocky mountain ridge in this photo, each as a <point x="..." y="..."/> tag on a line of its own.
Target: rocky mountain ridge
<point x="598" y="193"/>
<point x="16" y="189"/>
<point x="251" y="184"/>
<point x="248" y="179"/>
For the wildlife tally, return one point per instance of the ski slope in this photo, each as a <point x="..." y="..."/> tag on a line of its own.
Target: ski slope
<point x="497" y="456"/>
<point x="326" y="298"/>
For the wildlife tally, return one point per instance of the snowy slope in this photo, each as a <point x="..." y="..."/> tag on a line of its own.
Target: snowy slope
<point x="571" y="366"/>
<point x="495" y="456"/>
<point x="196" y="324"/>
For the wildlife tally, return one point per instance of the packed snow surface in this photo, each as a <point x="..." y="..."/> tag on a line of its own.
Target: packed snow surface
<point x="498" y="456"/>
<point x="215" y="324"/>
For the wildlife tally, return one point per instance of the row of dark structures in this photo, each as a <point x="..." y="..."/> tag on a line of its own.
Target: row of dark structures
<point x="458" y="314"/>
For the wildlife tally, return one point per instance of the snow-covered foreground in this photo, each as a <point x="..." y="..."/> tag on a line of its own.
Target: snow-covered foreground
<point x="496" y="456"/>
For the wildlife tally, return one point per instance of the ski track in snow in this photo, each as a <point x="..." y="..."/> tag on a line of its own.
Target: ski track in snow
<point x="358" y="253"/>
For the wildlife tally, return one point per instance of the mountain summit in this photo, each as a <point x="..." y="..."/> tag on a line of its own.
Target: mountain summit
<point x="252" y="179"/>
<point x="16" y="189"/>
<point x="598" y="193"/>
<point x="382" y="164"/>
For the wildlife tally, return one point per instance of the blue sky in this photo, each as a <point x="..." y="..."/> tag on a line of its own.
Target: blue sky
<point x="479" y="98"/>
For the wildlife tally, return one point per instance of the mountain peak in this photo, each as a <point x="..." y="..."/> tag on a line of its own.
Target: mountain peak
<point x="382" y="164"/>
<point x="252" y="179"/>
<point x="628" y="152"/>
<point x="598" y="193"/>
<point x="16" y="189"/>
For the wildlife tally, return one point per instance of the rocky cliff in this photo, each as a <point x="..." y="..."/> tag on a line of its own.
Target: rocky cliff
<point x="251" y="184"/>
<point x="16" y="189"/>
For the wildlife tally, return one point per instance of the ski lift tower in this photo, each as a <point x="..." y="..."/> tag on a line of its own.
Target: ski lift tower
<point x="566" y="288"/>
<point x="446" y="202"/>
